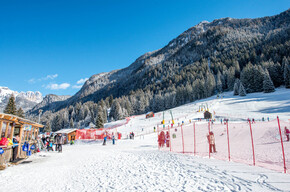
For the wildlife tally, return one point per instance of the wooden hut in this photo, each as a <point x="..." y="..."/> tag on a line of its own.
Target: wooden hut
<point x="207" y="115"/>
<point x="26" y="130"/>
<point x="68" y="134"/>
<point x="149" y="114"/>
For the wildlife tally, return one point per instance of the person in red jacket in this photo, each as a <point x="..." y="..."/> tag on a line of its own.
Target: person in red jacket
<point x="161" y="139"/>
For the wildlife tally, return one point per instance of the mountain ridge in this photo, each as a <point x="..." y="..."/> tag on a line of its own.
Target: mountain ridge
<point x="203" y="41"/>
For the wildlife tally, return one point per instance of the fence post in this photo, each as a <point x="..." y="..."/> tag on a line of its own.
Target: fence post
<point x="252" y="143"/>
<point x="182" y="140"/>
<point x="229" y="153"/>
<point x="169" y="138"/>
<point x="194" y="138"/>
<point x="282" y="144"/>
<point x="208" y="139"/>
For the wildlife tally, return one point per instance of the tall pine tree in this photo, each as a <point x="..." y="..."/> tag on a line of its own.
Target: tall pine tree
<point x="11" y="107"/>
<point x="20" y="112"/>
<point x="286" y="73"/>
<point x="242" y="91"/>
<point x="268" y="85"/>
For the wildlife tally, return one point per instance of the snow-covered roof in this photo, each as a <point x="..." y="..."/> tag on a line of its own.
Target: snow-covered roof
<point x="66" y="131"/>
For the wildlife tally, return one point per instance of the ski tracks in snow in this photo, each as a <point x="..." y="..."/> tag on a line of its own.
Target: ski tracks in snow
<point x="130" y="166"/>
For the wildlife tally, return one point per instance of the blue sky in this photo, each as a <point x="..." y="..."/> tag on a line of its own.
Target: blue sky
<point x="53" y="46"/>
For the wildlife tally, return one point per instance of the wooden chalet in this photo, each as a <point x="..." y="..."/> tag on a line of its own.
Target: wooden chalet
<point x="26" y="130"/>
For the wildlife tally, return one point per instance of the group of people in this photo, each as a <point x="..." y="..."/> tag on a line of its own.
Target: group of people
<point x="164" y="139"/>
<point x="112" y="137"/>
<point x="49" y="141"/>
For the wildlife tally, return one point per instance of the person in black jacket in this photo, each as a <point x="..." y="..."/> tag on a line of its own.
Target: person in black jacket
<point x="59" y="142"/>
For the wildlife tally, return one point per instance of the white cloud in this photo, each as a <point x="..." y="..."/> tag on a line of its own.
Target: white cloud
<point x="48" y="77"/>
<point x="55" y="86"/>
<point x="82" y="81"/>
<point x="32" y="80"/>
<point x="77" y="86"/>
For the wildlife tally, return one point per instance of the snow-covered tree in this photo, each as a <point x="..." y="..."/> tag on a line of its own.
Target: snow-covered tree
<point x="286" y="73"/>
<point x="236" y="89"/>
<point x="71" y="123"/>
<point x="47" y="127"/>
<point x="219" y="85"/>
<point x="268" y="85"/>
<point x="242" y="91"/>
<point x="99" y="120"/>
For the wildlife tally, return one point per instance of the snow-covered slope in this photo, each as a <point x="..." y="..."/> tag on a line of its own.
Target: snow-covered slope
<point x="25" y="100"/>
<point x="134" y="165"/>
<point x="235" y="108"/>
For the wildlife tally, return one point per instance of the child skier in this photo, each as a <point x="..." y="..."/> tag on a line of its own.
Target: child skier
<point x="211" y="142"/>
<point x="287" y="132"/>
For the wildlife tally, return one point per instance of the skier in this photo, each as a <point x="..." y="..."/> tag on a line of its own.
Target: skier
<point x="211" y="142"/>
<point x="113" y="139"/>
<point x="59" y="142"/>
<point x="253" y="120"/>
<point x="287" y="132"/>
<point x="154" y="129"/>
<point x="161" y="139"/>
<point x="167" y="137"/>
<point x="105" y="139"/>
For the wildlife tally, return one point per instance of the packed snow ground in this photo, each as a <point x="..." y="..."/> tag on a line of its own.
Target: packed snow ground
<point x="137" y="165"/>
<point x="134" y="165"/>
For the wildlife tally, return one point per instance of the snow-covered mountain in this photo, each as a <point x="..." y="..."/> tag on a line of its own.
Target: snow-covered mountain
<point x="49" y="102"/>
<point x="25" y="100"/>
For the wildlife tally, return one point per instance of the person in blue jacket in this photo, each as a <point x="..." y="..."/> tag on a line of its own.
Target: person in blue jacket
<point x="113" y="139"/>
<point x="105" y="139"/>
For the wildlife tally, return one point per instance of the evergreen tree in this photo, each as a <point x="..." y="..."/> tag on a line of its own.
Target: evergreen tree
<point x="71" y="123"/>
<point x="242" y="91"/>
<point x="231" y="78"/>
<point x="11" y="107"/>
<point x="268" y="85"/>
<point x="56" y="123"/>
<point x="219" y="85"/>
<point x="111" y="99"/>
<point x="20" y="112"/>
<point x="47" y="127"/>
<point x="236" y="89"/>
<point x="286" y="73"/>
<point x="99" y="120"/>
<point x="116" y="112"/>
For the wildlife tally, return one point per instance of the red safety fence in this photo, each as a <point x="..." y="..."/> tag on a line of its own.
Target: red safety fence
<point x="95" y="134"/>
<point x="256" y="143"/>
